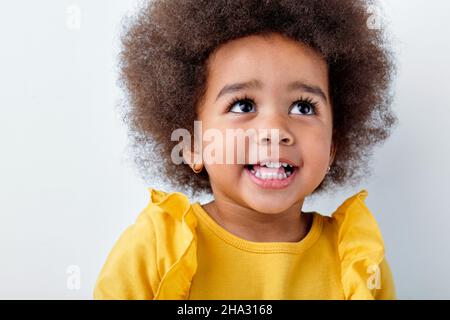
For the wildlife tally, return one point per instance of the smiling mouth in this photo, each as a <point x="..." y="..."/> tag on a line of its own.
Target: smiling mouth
<point x="271" y="175"/>
<point x="280" y="171"/>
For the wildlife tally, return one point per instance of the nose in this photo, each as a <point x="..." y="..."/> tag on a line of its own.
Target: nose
<point x="275" y="136"/>
<point x="278" y="133"/>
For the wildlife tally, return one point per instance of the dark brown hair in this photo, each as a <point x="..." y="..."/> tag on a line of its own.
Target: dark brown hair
<point x="163" y="71"/>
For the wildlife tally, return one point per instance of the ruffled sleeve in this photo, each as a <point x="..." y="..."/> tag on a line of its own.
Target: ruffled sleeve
<point x="155" y="258"/>
<point x="365" y="273"/>
<point x="176" y="243"/>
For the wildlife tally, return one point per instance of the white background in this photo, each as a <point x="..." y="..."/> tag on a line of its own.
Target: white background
<point x="68" y="189"/>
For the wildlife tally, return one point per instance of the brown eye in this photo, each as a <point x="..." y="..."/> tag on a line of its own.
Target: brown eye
<point x="304" y="107"/>
<point x="241" y="106"/>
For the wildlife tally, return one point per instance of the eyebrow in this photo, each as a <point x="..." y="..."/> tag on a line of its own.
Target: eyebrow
<point x="256" y="84"/>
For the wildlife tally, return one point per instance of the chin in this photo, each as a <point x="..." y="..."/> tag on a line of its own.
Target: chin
<point x="272" y="204"/>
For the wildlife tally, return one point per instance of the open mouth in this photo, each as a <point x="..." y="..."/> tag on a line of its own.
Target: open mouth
<point x="272" y="175"/>
<point x="271" y="171"/>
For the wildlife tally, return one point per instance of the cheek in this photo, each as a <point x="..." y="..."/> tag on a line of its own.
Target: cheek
<point x="224" y="175"/>
<point x="316" y="153"/>
<point x="315" y="148"/>
<point x="225" y="146"/>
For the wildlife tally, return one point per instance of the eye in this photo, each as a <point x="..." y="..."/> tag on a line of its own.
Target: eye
<point x="304" y="106"/>
<point x="241" y="105"/>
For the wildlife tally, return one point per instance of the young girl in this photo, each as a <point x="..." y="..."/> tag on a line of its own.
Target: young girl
<point x="318" y="73"/>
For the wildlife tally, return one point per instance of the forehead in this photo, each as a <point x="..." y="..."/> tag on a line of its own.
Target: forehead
<point x="275" y="60"/>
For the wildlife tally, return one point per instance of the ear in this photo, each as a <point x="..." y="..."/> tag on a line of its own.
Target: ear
<point x="191" y="158"/>
<point x="187" y="156"/>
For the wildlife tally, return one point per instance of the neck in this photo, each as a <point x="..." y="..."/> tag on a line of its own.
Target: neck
<point x="288" y="226"/>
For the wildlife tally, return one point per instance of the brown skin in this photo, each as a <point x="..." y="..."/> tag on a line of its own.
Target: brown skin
<point x="240" y="206"/>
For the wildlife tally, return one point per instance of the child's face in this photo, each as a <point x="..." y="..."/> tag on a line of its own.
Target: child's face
<point x="305" y="134"/>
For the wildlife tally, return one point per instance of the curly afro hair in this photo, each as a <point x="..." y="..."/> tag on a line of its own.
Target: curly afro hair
<point x="163" y="71"/>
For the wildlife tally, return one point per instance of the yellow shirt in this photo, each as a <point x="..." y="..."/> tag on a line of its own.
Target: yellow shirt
<point x="175" y="250"/>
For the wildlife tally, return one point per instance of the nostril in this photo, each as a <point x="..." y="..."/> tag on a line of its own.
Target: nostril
<point x="286" y="140"/>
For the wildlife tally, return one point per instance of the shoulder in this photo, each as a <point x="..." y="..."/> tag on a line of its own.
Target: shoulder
<point x="166" y="221"/>
<point x="158" y="223"/>
<point x="131" y="259"/>
<point x="360" y="248"/>
<point x="355" y="224"/>
<point x="168" y="212"/>
<point x="143" y="261"/>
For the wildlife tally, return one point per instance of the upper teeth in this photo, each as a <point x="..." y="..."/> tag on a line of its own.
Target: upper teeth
<point x="274" y="164"/>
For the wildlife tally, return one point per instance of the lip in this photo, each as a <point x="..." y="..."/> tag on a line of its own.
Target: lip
<point x="272" y="183"/>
